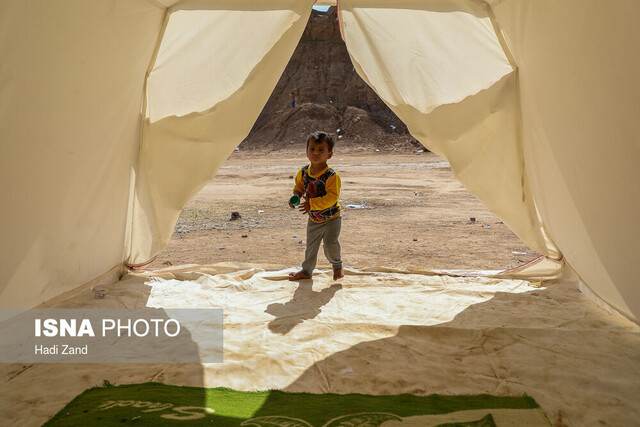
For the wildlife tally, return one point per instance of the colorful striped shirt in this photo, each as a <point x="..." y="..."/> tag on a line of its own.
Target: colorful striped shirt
<point x="322" y="190"/>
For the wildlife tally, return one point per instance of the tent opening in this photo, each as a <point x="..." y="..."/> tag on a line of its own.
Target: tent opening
<point x="402" y="207"/>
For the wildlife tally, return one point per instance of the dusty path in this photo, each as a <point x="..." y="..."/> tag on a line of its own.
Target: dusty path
<point x="418" y="216"/>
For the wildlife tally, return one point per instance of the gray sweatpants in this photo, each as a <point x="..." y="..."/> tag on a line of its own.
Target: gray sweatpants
<point x="328" y="232"/>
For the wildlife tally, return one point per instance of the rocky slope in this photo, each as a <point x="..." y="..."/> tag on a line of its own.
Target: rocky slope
<point x="330" y="96"/>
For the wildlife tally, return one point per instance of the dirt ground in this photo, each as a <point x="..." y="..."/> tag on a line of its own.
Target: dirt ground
<point x="417" y="215"/>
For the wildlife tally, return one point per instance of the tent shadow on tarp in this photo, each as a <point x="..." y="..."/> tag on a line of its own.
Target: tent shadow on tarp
<point x="581" y="364"/>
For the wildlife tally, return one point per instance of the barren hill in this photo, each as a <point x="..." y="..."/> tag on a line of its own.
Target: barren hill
<point x="330" y="96"/>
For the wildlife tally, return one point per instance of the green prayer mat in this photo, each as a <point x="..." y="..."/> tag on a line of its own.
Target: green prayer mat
<point x="156" y="404"/>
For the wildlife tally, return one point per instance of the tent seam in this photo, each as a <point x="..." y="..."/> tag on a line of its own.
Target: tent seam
<point x="525" y="177"/>
<point x="143" y="115"/>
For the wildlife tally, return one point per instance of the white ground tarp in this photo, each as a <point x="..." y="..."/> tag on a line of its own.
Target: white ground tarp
<point x="364" y="335"/>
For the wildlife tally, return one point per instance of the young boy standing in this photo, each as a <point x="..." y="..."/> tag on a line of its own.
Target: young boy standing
<point x="319" y="185"/>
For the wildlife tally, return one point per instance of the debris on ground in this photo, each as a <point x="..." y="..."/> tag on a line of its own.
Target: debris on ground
<point x="362" y="206"/>
<point x="235" y="215"/>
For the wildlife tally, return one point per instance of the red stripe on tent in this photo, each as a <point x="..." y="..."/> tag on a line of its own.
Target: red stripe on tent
<point x="338" y="18"/>
<point x="138" y="266"/>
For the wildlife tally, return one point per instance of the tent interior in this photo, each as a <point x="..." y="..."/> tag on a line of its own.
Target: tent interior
<point x="115" y="113"/>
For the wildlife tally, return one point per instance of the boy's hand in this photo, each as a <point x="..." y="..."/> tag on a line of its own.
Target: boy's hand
<point x="305" y="206"/>
<point x="295" y="193"/>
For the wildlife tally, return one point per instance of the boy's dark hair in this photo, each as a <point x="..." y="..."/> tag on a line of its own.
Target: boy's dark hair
<point x="319" y="137"/>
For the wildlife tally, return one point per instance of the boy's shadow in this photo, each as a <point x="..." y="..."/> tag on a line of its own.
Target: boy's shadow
<point x="305" y="304"/>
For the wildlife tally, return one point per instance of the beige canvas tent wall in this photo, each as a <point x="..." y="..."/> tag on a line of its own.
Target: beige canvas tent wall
<point x="113" y="113"/>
